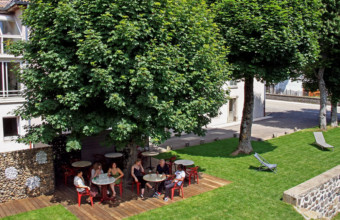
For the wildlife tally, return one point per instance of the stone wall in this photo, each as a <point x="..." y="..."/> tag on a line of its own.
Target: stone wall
<point x="26" y="173"/>
<point x="290" y="98"/>
<point x="318" y="197"/>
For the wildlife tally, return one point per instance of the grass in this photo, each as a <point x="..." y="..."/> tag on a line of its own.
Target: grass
<point x="57" y="212"/>
<point x="253" y="194"/>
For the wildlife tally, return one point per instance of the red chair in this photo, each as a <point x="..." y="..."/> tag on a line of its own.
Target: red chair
<point x="170" y="161"/>
<point x="137" y="185"/>
<point x="86" y="193"/>
<point x="180" y="188"/>
<point x="68" y="171"/>
<point x="192" y="172"/>
<point x="120" y="185"/>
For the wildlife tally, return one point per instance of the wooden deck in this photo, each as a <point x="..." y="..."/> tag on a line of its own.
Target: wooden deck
<point x="126" y="206"/>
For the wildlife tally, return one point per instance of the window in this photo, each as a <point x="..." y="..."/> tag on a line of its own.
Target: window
<point x="9" y="85"/>
<point x="232" y="83"/>
<point x="9" y="32"/>
<point x="10" y="126"/>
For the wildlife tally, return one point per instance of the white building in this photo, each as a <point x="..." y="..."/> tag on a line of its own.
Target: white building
<point x="287" y="87"/>
<point x="11" y="30"/>
<point x="231" y="113"/>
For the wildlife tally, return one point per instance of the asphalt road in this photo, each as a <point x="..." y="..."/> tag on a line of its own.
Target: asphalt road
<point x="283" y="118"/>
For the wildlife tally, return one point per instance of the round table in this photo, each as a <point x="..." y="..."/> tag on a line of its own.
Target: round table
<point x="113" y="155"/>
<point x="150" y="154"/>
<point x="184" y="162"/>
<point x="81" y="164"/>
<point x="156" y="178"/>
<point x="104" y="180"/>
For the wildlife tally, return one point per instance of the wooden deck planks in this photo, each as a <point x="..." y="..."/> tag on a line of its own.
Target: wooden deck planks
<point x="127" y="206"/>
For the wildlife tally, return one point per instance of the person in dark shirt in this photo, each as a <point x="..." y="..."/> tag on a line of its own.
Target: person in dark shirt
<point x="162" y="169"/>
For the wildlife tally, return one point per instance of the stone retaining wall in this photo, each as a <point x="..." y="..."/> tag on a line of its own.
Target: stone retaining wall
<point x="290" y="98"/>
<point x="26" y="173"/>
<point x="318" y="197"/>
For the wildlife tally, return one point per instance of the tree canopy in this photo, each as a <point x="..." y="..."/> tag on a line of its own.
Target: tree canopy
<point x="269" y="40"/>
<point x="133" y="68"/>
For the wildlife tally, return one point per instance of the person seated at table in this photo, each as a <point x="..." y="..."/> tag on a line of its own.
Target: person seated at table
<point x="96" y="170"/>
<point x="117" y="174"/>
<point x="162" y="169"/>
<point x="81" y="187"/>
<point x="137" y="171"/>
<point x="179" y="178"/>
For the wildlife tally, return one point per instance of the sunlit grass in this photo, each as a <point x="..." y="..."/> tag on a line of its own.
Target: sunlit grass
<point x="57" y="212"/>
<point x="253" y="194"/>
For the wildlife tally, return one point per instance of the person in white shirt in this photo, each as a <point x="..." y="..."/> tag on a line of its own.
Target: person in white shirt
<point x="81" y="187"/>
<point x="169" y="184"/>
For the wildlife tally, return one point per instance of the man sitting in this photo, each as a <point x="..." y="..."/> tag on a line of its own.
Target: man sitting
<point x="162" y="169"/>
<point x="81" y="187"/>
<point x="179" y="178"/>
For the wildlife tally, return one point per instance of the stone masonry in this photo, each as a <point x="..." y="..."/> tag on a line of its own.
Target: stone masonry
<point x="26" y="173"/>
<point x="318" y="197"/>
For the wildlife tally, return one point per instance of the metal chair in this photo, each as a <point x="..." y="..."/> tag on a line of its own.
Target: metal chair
<point x="265" y="163"/>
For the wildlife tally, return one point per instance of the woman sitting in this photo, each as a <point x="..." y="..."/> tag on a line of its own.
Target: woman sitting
<point x="96" y="170"/>
<point x="117" y="174"/>
<point x="81" y="187"/>
<point x="137" y="171"/>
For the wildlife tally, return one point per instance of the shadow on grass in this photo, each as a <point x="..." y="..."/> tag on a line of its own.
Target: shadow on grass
<point x="260" y="170"/>
<point x="320" y="148"/>
<point x="221" y="148"/>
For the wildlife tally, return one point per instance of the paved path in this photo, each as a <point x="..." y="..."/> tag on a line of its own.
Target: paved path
<point x="283" y="117"/>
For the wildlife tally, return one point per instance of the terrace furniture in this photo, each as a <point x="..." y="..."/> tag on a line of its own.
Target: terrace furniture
<point x="320" y="141"/>
<point x="170" y="162"/>
<point x="103" y="180"/>
<point x="68" y="171"/>
<point x="185" y="163"/>
<point x="120" y="185"/>
<point x="265" y="163"/>
<point x="150" y="154"/>
<point x="155" y="178"/>
<point x="180" y="188"/>
<point x="192" y="172"/>
<point x="86" y="193"/>
<point x="137" y="184"/>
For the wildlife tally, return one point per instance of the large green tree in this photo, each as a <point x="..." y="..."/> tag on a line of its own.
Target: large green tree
<point x="268" y="40"/>
<point x="326" y="67"/>
<point x="132" y="68"/>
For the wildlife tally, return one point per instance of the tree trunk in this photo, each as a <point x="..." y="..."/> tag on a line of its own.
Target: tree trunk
<point x="334" y="114"/>
<point x="323" y="100"/>
<point x="244" y="146"/>
<point x="132" y="149"/>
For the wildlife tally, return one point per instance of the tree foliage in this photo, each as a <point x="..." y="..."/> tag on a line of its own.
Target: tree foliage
<point x="133" y="67"/>
<point x="269" y="40"/>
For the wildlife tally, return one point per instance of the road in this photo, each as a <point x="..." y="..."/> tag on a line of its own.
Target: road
<point x="283" y="118"/>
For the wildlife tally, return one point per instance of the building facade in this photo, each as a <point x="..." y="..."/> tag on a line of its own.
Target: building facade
<point x="231" y="113"/>
<point x="11" y="29"/>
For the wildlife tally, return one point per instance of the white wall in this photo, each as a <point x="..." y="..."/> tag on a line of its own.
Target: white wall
<point x="289" y="87"/>
<point x="6" y="143"/>
<point x="238" y="93"/>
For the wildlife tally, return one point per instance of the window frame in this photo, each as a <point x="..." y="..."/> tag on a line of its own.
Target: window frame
<point x="11" y="137"/>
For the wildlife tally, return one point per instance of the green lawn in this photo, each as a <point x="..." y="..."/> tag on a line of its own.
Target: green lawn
<point x="57" y="212"/>
<point x="253" y="194"/>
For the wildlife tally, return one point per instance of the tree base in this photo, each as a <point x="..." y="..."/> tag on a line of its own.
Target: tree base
<point x="238" y="152"/>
